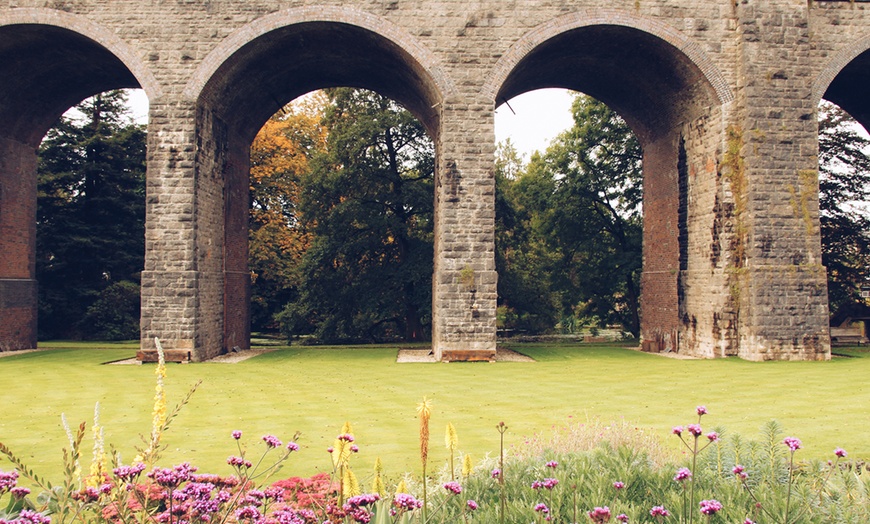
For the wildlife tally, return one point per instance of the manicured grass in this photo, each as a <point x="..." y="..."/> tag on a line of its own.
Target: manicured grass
<point x="315" y="390"/>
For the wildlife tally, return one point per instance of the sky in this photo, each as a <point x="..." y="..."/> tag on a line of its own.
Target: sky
<point x="537" y="117"/>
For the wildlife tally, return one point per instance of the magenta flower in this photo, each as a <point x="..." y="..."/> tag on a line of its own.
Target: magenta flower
<point x="126" y="473"/>
<point x="542" y="508"/>
<point x="248" y="512"/>
<point x="406" y="502"/>
<point x="793" y="443"/>
<point x="237" y="434"/>
<point x="8" y="479"/>
<point x="748" y="521"/>
<point x="238" y="462"/>
<point x="710" y="507"/>
<point x="599" y="515"/>
<point x="739" y="471"/>
<point x="694" y="429"/>
<point x="659" y="511"/>
<point x="683" y="474"/>
<point x="472" y="505"/>
<point x="678" y="430"/>
<point x="840" y="452"/>
<point x="618" y="485"/>
<point x="701" y="410"/>
<point x="547" y="483"/>
<point x="19" y="492"/>
<point x="359" y="501"/>
<point x="354" y="448"/>
<point x="496" y="473"/>
<point x="453" y="487"/>
<point x="330" y="449"/>
<point x="272" y="441"/>
<point x="292" y="446"/>
<point x="712" y="436"/>
<point x="347" y="437"/>
<point x="552" y="464"/>
<point x="27" y="516"/>
<point x="622" y="517"/>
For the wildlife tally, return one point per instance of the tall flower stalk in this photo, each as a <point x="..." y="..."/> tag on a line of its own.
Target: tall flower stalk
<point x="424" y="412"/>
<point x="451" y="441"/>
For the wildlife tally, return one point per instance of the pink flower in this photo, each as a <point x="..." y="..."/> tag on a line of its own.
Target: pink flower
<point x="292" y="446"/>
<point x="552" y="464"/>
<point x="347" y="437"/>
<point x="547" y="483"/>
<point x="793" y="443"/>
<point x="330" y="449"/>
<point x="453" y="487"/>
<point x="701" y="410"/>
<point x="406" y="502"/>
<point x="237" y="434"/>
<point x="542" y="508"/>
<point x="712" y="436"/>
<point x="618" y="485"/>
<point x="683" y="474"/>
<point x="840" y="452"/>
<point x="496" y="473"/>
<point x="710" y="507"/>
<point x="739" y="471"/>
<point x="748" y="521"/>
<point x="659" y="511"/>
<point x="19" y="492"/>
<point x="678" y="430"/>
<point x="8" y="479"/>
<point x="599" y="515"/>
<point x="354" y="448"/>
<point x="622" y="517"/>
<point x="472" y="505"/>
<point x="694" y="429"/>
<point x="272" y="441"/>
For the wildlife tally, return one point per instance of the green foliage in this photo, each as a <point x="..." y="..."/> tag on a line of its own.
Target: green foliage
<point x="368" y="202"/>
<point x="570" y="229"/>
<point x="844" y="181"/>
<point x="90" y="220"/>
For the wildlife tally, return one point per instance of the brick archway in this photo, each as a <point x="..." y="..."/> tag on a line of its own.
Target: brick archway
<point x="243" y="81"/>
<point x="49" y="61"/>
<point x="672" y="95"/>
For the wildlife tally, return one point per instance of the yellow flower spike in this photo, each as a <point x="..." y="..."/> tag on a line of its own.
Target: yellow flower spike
<point x="402" y="487"/>
<point x="350" y="485"/>
<point x="451" y="439"/>
<point x="378" y="482"/>
<point x="424" y="412"/>
<point x="467" y="465"/>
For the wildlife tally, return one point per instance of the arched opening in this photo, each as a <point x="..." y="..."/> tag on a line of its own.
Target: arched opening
<point x="46" y="70"/>
<point x="671" y="98"/>
<point x="844" y="197"/>
<point x="287" y="59"/>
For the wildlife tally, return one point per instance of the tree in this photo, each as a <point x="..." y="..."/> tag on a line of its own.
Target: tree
<point x="583" y="196"/>
<point x="280" y="157"/>
<point x="844" y="187"/>
<point x="91" y="221"/>
<point x="368" y="202"/>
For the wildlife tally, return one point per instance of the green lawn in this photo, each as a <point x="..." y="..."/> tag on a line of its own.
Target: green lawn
<point x="315" y="390"/>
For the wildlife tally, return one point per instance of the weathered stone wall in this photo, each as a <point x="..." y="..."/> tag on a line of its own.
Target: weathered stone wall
<point x="721" y="95"/>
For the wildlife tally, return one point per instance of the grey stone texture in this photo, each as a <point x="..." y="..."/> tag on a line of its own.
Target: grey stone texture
<point x="722" y="95"/>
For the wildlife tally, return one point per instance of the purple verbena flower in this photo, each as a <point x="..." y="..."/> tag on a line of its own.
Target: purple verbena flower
<point x="8" y="479"/>
<point x="701" y="410"/>
<point x="542" y="508"/>
<point x="618" y="485"/>
<point x="622" y="517"/>
<point x="272" y="441"/>
<point x="292" y="446"/>
<point x="552" y="464"/>
<point x="127" y="473"/>
<point x="237" y="434"/>
<point x="361" y="500"/>
<point x="710" y="507"/>
<point x="453" y="487"/>
<point x="354" y="448"/>
<point x="739" y="471"/>
<point x="793" y="443"/>
<point x="599" y="515"/>
<point x="472" y="505"/>
<point x="406" y="502"/>
<point x="678" y="430"/>
<point x="840" y="452"/>
<point x="496" y="473"/>
<point x="683" y="474"/>
<point x="694" y="429"/>
<point x="712" y="436"/>
<point x="347" y="437"/>
<point x="19" y="492"/>
<point x="659" y="511"/>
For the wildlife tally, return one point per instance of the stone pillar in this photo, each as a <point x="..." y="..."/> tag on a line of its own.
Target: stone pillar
<point x="237" y="275"/>
<point x="169" y="281"/>
<point x="18" y="300"/>
<point x="782" y="283"/>
<point x="464" y="285"/>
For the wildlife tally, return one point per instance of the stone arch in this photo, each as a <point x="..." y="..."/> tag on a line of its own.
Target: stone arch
<point x="672" y="95"/>
<point x="49" y="61"/>
<point x="246" y="79"/>
<point x="426" y="73"/>
<point x="844" y="80"/>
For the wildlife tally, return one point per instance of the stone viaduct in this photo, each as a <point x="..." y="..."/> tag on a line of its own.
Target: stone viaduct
<point x="722" y="93"/>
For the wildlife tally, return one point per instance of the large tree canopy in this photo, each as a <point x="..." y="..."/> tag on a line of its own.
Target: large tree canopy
<point x="577" y="208"/>
<point x="91" y="222"/>
<point x="368" y="203"/>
